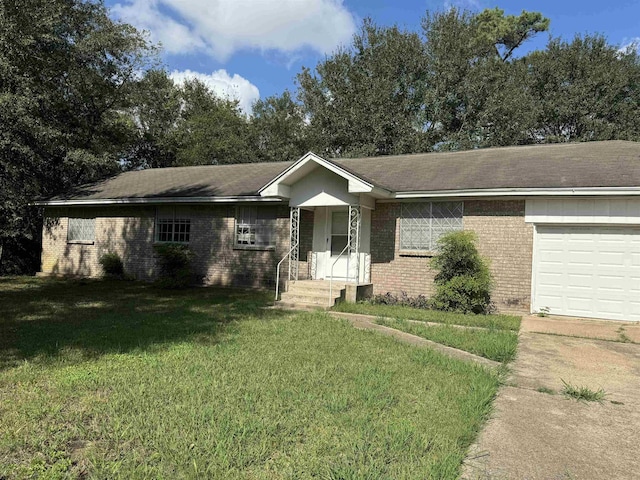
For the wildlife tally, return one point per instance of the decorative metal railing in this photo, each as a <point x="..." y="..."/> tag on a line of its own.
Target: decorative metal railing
<point x="294" y="252"/>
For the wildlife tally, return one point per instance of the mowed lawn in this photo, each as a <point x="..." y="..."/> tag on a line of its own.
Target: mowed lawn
<point x="491" y="336"/>
<point x="121" y="380"/>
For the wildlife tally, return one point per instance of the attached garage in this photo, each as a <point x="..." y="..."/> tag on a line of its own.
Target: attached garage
<point x="582" y="268"/>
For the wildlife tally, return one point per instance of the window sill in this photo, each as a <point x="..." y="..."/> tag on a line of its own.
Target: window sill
<point x="157" y="242"/>
<point x="417" y="253"/>
<point x="80" y="242"/>
<point x="254" y="248"/>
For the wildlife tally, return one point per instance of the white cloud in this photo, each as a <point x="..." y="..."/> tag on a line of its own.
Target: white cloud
<point x="630" y="44"/>
<point x="224" y="85"/>
<point x="223" y="27"/>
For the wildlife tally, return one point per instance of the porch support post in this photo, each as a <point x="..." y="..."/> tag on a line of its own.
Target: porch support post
<point x="353" y="252"/>
<point x="294" y="242"/>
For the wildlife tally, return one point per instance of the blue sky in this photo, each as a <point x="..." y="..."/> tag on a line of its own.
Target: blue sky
<point x="254" y="48"/>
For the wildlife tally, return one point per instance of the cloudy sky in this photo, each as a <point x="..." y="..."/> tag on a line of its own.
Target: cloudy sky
<point x="254" y="48"/>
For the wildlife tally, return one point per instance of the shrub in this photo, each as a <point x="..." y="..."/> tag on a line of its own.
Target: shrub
<point x="174" y="262"/>
<point x="385" y="299"/>
<point x="390" y="299"/>
<point x="463" y="283"/>
<point x="112" y="265"/>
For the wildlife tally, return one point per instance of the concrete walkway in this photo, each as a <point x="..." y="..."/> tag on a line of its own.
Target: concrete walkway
<point x="367" y="322"/>
<point x="535" y="435"/>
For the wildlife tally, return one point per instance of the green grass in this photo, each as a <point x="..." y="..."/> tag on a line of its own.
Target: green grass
<point x="120" y="380"/>
<point x="583" y="393"/>
<point x="498" y="345"/>
<point x="500" y="322"/>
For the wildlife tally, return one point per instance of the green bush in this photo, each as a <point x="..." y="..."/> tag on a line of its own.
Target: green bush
<point x="463" y="283"/>
<point x="112" y="265"/>
<point x="174" y="263"/>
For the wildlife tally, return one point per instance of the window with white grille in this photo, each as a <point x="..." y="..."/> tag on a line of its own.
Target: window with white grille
<point x="255" y="227"/>
<point x="81" y="229"/>
<point x="422" y="224"/>
<point x="172" y="225"/>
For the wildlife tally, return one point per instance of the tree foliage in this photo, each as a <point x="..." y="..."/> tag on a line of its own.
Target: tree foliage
<point x="365" y="100"/>
<point x="66" y="76"/>
<point x="585" y="90"/>
<point x="279" y="129"/>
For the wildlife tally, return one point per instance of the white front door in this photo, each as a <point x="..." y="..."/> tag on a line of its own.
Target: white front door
<point x="587" y="271"/>
<point x="338" y="235"/>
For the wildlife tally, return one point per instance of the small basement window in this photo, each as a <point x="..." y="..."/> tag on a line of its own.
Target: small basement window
<point x="81" y="229"/>
<point x="172" y="225"/>
<point x="423" y="223"/>
<point x="255" y="227"/>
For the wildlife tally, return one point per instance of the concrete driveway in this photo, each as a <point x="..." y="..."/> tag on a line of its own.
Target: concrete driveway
<point x="537" y="435"/>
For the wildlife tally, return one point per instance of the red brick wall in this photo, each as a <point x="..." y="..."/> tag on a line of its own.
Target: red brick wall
<point x="503" y="238"/>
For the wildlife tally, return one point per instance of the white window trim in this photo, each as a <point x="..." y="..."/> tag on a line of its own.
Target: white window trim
<point x="236" y="224"/>
<point x="415" y="252"/>
<point x="156" y="232"/>
<point x="81" y="214"/>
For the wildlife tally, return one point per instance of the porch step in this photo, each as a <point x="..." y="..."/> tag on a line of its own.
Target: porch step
<point x="314" y="298"/>
<point x="310" y="295"/>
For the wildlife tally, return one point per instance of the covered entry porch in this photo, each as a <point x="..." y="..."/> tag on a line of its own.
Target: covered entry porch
<point x="330" y="228"/>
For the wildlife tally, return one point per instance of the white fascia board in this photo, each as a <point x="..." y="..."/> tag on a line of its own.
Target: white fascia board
<point x="356" y="184"/>
<point x="523" y="192"/>
<point x="152" y="201"/>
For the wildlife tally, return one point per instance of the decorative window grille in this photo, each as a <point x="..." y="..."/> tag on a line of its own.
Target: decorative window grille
<point x="255" y="227"/>
<point x="172" y="225"/>
<point x="81" y="229"/>
<point x="422" y="224"/>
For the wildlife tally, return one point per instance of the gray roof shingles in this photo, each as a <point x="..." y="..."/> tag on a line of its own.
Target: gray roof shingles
<point x="589" y="164"/>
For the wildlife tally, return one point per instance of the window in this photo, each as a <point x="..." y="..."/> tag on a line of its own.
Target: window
<point x="81" y="229"/>
<point x="339" y="232"/>
<point x="255" y="227"/>
<point x="172" y="225"/>
<point x="422" y="224"/>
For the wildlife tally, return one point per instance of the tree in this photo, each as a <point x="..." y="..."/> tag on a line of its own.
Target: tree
<point x="66" y="76"/>
<point x="279" y="129"/>
<point x="587" y="90"/>
<point x="469" y="69"/>
<point x="366" y="100"/>
<point x="156" y="112"/>
<point x="211" y="130"/>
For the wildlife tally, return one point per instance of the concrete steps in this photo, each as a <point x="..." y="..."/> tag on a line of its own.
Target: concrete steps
<point x="310" y="295"/>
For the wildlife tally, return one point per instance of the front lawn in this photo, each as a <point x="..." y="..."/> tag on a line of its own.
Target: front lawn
<point x="401" y="312"/>
<point x="120" y="380"/>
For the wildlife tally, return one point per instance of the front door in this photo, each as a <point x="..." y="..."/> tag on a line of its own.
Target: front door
<point x="338" y="236"/>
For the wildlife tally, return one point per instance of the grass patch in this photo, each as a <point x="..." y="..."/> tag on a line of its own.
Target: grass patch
<point x="498" y="345"/>
<point x="584" y="394"/>
<point x="546" y="390"/>
<point x="120" y="380"/>
<point x="400" y="312"/>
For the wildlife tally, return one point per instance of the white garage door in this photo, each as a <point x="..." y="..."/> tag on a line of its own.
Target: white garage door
<point x="590" y="271"/>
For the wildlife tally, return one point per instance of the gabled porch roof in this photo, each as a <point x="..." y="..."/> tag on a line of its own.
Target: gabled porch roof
<point x="280" y="186"/>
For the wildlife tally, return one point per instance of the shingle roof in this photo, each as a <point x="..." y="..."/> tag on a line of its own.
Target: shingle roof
<point x="590" y="164"/>
<point x="197" y="181"/>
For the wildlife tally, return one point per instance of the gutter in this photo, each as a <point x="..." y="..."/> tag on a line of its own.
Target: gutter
<point x="152" y="201"/>
<point x="522" y="192"/>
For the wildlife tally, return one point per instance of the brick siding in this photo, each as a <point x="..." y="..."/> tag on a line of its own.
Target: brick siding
<point x="128" y="231"/>
<point x="503" y="238"/>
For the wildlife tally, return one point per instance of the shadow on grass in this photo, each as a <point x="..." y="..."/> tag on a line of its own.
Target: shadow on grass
<point x="48" y="319"/>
